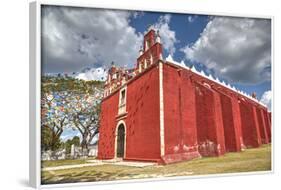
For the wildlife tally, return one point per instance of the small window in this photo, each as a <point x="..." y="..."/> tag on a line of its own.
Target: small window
<point x="148" y="44"/>
<point x="123" y="97"/>
<point x="122" y="101"/>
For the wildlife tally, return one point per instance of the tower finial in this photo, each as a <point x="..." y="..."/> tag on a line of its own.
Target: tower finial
<point x="158" y="38"/>
<point x="149" y="27"/>
<point x="254" y="95"/>
<point x="141" y="50"/>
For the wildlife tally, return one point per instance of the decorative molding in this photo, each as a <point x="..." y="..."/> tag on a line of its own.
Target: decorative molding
<point x="121" y="116"/>
<point x="122" y="105"/>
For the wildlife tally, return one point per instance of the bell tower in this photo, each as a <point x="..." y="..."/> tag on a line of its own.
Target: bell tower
<point x="150" y="52"/>
<point x="149" y="40"/>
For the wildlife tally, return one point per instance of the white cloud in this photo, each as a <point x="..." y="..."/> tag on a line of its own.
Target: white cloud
<point x="69" y="133"/>
<point x="168" y="36"/>
<point x="191" y="18"/>
<point x="266" y="99"/>
<point x="238" y="49"/>
<point x="93" y="74"/>
<point x="74" y="38"/>
<point x="138" y="14"/>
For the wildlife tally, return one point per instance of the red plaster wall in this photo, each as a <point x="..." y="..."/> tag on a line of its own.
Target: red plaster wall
<point x="219" y="125"/>
<point x="232" y="139"/>
<point x="237" y="122"/>
<point x="267" y="124"/>
<point x="209" y="123"/>
<point x="179" y="115"/>
<point x="248" y="126"/>
<point x="269" y="115"/>
<point x="143" y="121"/>
<point x="197" y="119"/>
<point x="257" y="124"/>
<point x="106" y="143"/>
<point x="262" y="127"/>
<point x="188" y="109"/>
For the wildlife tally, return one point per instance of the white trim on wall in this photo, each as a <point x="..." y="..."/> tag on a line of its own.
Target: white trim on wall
<point x="162" y="140"/>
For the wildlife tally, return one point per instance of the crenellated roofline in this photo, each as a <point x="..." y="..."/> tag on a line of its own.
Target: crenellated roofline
<point x="216" y="80"/>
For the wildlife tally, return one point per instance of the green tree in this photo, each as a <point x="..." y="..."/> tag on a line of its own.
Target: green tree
<point x="49" y="139"/>
<point x="75" y="140"/>
<point x="53" y="118"/>
<point x="68" y="102"/>
<point x="85" y="117"/>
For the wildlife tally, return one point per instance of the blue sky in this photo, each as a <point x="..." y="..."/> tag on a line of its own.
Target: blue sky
<point x="186" y="32"/>
<point x="236" y="50"/>
<point x="188" y="28"/>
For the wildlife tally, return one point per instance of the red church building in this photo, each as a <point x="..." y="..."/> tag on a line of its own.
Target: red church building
<point x="163" y="111"/>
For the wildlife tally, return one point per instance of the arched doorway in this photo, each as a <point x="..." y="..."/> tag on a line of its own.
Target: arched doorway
<point x="120" y="141"/>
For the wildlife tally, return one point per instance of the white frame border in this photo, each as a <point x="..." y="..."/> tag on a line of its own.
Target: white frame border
<point x="35" y="95"/>
<point x="35" y="88"/>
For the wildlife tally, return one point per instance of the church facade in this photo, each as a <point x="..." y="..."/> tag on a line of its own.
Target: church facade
<point x="163" y="111"/>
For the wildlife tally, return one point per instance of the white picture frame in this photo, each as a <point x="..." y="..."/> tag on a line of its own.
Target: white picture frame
<point x="35" y="91"/>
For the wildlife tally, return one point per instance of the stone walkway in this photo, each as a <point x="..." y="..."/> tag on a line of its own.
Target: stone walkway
<point x="102" y="162"/>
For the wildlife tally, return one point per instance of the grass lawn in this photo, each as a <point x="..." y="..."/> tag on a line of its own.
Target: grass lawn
<point x="257" y="159"/>
<point x="52" y="163"/>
